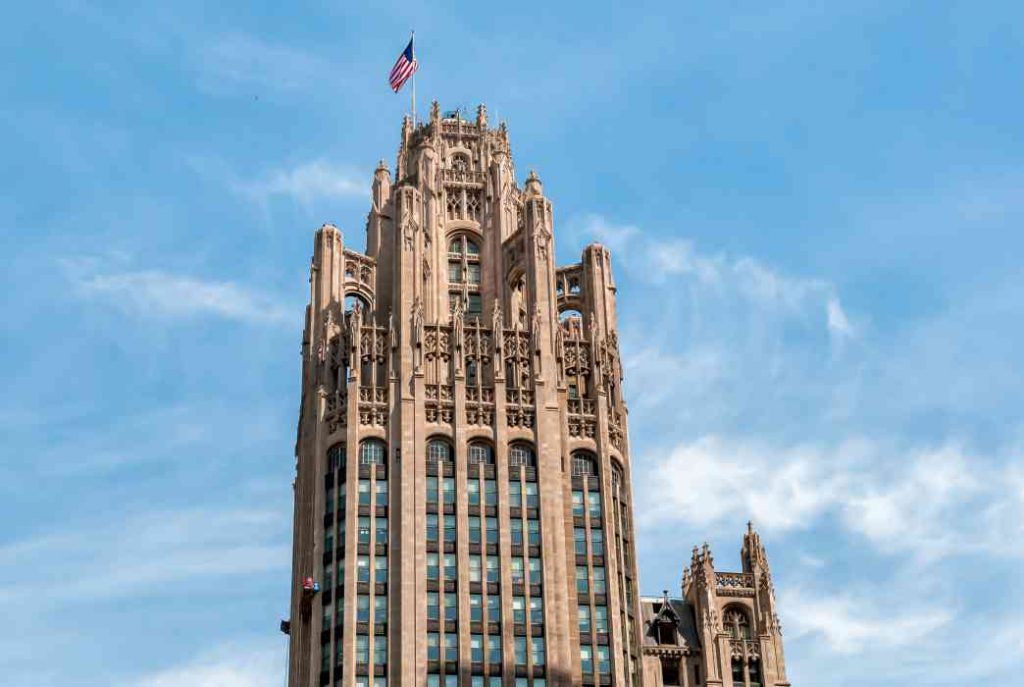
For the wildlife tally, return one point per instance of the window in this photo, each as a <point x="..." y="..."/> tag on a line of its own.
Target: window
<point x="364" y="530"/>
<point x="474" y="305"/>
<point x="594" y="503"/>
<point x="362" y="569"/>
<point x="451" y="568"/>
<point x="450" y="528"/>
<point x="451" y="606"/>
<point x="336" y="458"/>
<point x="433" y="566"/>
<point x="490" y="492"/>
<point x="481" y="454"/>
<point x="604" y="663"/>
<point x="448" y="490"/>
<point x="432" y="527"/>
<point x="362" y="608"/>
<point x="598" y="580"/>
<point x="325" y="657"/>
<point x="371" y="452"/>
<point x="519" y="610"/>
<point x="519" y="647"/>
<point x="451" y="647"/>
<point x="754" y="668"/>
<point x="492" y="530"/>
<point x="363" y="490"/>
<point x="329" y="538"/>
<point x="520" y="454"/>
<point x="736" y="624"/>
<point x="380" y="609"/>
<point x="597" y="542"/>
<point x="582" y="580"/>
<point x="583" y="615"/>
<point x="518" y="569"/>
<point x="464" y="274"/>
<point x="579" y="536"/>
<point x="433" y="681"/>
<point x="476" y="608"/>
<point x="493" y="570"/>
<point x="433" y="606"/>
<point x="533" y="532"/>
<point x="586" y="658"/>
<point x="536" y="572"/>
<point x="536" y="610"/>
<point x="516" y="531"/>
<point x="380" y="530"/>
<point x="380" y="569"/>
<point x="431" y="490"/>
<point x="330" y="500"/>
<point x="474" y="529"/>
<point x="577" y="503"/>
<point x="451" y="681"/>
<point x="583" y="464"/>
<point x="494" y="608"/>
<point x="473" y="492"/>
<point x="475" y="568"/>
<point x="532" y="495"/>
<point x="494" y="651"/>
<point x="738" y="678"/>
<point x="537" y="651"/>
<point x="380" y="492"/>
<point x="433" y="646"/>
<point x="515" y="494"/>
<point x="601" y="619"/>
<point x="439" y="451"/>
<point x="476" y="648"/>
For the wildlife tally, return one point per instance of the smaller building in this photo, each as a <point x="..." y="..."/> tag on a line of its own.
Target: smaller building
<point x="723" y="632"/>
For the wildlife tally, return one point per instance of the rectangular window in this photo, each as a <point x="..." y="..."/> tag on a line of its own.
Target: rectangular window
<point x="450" y="525"/>
<point x="518" y="572"/>
<point x="341" y="501"/>
<point x="451" y="647"/>
<point x="455" y="272"/>
<point x="490" y="492"/>
<point x="380" y="570"/>
<point x="380" y="609"/>
<point x="597" y="542"/>
<point x="380" y="492"/>
<point x="475" y="568"/>
<point x="329" y="577"/>
<point x="536" y="610"/>
<point x="448" y="489"/>
<point x="519" y="653"/>
<point x="477" y="681"/>
<point x="494" y="650"/>
<point x="330" y="500"/>
<point x="433" y="680"/>
<point x="533" y="532"/>
<point x="325" y="619"/>
<point x="586" y="658"/>
<point x="494" y="608"/>
<point x="516" y="531"/>
<point x="380" y="650"/>
<point x="451" y="681"/>
<point x="493" y="570"/>
<point x="492" y="530"/>
<point x="474" y="274"/>
<point x="362" y="609"/>
<point x="329" y="538"/>
<point x="433" y="606"/>
<point x="515" y="494"/>
<point x="451" y="567"/>
<point x="601" y="619"/>
<point x="433" y="648"/>
<point x="475" y="306"/>
<point x="380" y="535"/>
<point x="582" y="580"/>
<point x="474" y="529"/>
<point x="598" y="581"/>
<point x="532" y="495"/>
<point x="536" y="572"/>
<point x="577" y="503"/>
<point x="364" y="492"/>
<point x="362" y="569"/>
<point x="476" y="648"/>
<point x="432" y="527"/>
<point x="433" y="566"/>
<point x="431" y="490"/>
<point x="594" y="503"/>
<point x="473" y="492"/>
<point x="451" y="607"/>
<point x="325" y="657"/>
<point x="519" y="610"/>
<point x="364" y="530"/>
<point x="494" y="681"/>
<point x="476" y="608"/>
<point x="583" y="613"/>
<point x="604" y="663"/>
<point x="537" y="651"/>
<point x="580" y="540"/>
<point x="362" y="649"/>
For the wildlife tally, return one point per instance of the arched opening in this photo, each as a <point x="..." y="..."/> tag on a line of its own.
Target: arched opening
<point x="464" y="276"/>
<point x="372" y="452"/>
<point x="481" y="453"/>
<point x="736" y="623"/>
<point x="521" y="454"/>
<point x="439" y="451"/>
<point x="584" y="464"/>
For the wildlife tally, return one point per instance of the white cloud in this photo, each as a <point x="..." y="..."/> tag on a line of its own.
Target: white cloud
<point x="930" y="502"/>
<point x="307" y="182"/>
<point x="160" y="294"/>
<point x="853" y="625"/>
<point x="227" y="667"/>
<point x="244" y="61"/>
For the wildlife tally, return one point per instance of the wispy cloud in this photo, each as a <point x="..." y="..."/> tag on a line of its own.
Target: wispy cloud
<point x="229" y="666"/>
<point x="159" y="294"/>
<point x="245" y="61"/>
<point x="305" y="183"/>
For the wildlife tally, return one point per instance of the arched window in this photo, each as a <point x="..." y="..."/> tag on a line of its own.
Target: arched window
<point x="584" y="464"/>
<point x="736" y="623"/>
<point x="372" y="452"/>
<point x="464" y="276"/>
<point x="522" y="455"/>
<point x="336" y="458"/>
<point x="481" y="453"/>
<point x="354" y="299"/>
<point x="439" y="451"/>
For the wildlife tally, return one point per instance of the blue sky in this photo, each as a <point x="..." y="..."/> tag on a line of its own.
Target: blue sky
<point x="815" y="212"/>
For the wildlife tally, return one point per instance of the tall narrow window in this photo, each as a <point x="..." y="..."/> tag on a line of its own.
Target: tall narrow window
<point x="372" y="452"/>
<point x="464" y="276"/>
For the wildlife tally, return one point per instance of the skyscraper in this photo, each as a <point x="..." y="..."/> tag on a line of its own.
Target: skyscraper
<point x="463" y="508"/>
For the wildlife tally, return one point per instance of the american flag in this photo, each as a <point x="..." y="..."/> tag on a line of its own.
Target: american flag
<point x="404" y="68"/>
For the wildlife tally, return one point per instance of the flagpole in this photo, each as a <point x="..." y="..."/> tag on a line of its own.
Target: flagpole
<point x="412" y="41"/>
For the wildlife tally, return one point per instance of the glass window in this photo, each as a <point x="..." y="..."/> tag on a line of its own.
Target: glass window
<point x="381" y="530"/>
<point x="518" y="570"/>
<point x="380" y="609"/>
<point x="380" y="492"/>
<point x="494" y="681"/>
<point x="455" y="272"/>
<point x="492" y="530"/>
<point x="451" y="567"/>
<point x="519" y="610"/>
<point x="433" y="646"/>
<point x="433" y="606"/>
<point x="431" y="489"/>
<point x="601" y="619"/>
<point x="520" y="454"/>
<point x="494" y="608"/>
<point x="577" y="503"/>
<point x="583" y="465"/>
<point x="433" y="566"/>
<point x="362" y="569"/>
<point x="439" y="451"/>
<point x="329" y="538"/>
<point x="493" y="569"/>
<point x="536" y="610"/>
<point x="579" y="537"/>
<point x="477" y="681"/>
<point x="362" y="681"/>
<point x="451" y="606"/>
<point x="494" y="650"/>
<point x="519" y="647"/>
<point x="473" y="492"/>
<point x="330" y="500"/>
<point x="532" y="495"/>
<point x="604" y="664"/>
<point x="450" y="528"/>
<point x="371" y="452"/>
<point x="597" y="542"/>
<point x="364" y="492"/>
<point x="474" y="529"/>
<point x="474" y="273"/>
<point x="362" y="649"/>
<point x="336" y="457"/>
<point x="381" y="681"/>
<point x="481" y="453"/>
<point x="451" y="647"/>
<point x="364" y="530"/>
<point x="582" y="580"/>
<point x="515" y="494"/>
<point x="474" y="304"/>
<point x="583" y="613"/>
<point x="432" y="527"/>
<point x="476" y="648"/>
<point x="586" y="658"/>
<point x="341" y="501"/>
<point x="475" y="568"/>
<point x="516" y="531"/>
<point x="537" y="651"/>
<point x="363" y="608"/>
<point x="448" y="489"/>
<point x="490" y="492"/>
<point x="536" y="572"/>
<point x="594" y="503"/>
<point x="476" y="608"/>
<point x="451" y="680"/>
<point x="380" y="569"/>
<point x="533" y="532"/>
<point x="598" y="581"/>
<point x="433" y="681"/>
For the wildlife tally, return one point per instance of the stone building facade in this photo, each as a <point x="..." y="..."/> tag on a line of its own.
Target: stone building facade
<point x="463" y="506"/>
